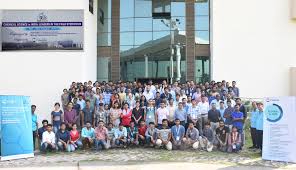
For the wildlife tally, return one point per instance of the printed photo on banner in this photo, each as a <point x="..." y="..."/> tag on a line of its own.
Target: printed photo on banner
<point x="42" y="30"/>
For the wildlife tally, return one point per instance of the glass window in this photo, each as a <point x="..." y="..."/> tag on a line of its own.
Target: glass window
<point x="163" y="6"/>
<point x="126" y="8"/>
<point x="179" y="22"/>
<point x="104" y="9"/>
<point x="143" y="24"/>
<point x="202" y="7"/>
<point x="142" y="37"/>
<point x="127" y="38"/>
<point x="202" y="37"/>
<point x="126" y="24"/>
<point x="161" y="24"/>
<point x="202" y="23"/>
<point x="178" y="9"/>
<point x="104" y="39"/>
<point x="125" y="48"/>
<point x="161" y="34"/>
<point x="143" y="8"/>
<point x="202" y="69"/>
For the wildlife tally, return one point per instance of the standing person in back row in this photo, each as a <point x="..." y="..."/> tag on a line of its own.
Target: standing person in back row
<point x="70" y="116"/>
<point x="253" y="120"/>
<point x="204" y="108"/>
<point x="214" y="117"/>
<point x="34" y="124"/>
<point x="235" y="89"/>
<point x="162" y="113"/>
<point x="87" y="114"/>
<point x="259" y="126"/>
<point x="57" y="117"/>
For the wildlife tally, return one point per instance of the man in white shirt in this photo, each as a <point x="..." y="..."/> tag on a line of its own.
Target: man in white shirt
<point x="148" y="94"/>
<point x="162" y="113"/>
<point x="204" y="108"/>
<point x="48" y="139"/>
<point x="194" y="115"/>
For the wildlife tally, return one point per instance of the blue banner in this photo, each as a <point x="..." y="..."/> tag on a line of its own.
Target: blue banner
<point x="16" y="127"/>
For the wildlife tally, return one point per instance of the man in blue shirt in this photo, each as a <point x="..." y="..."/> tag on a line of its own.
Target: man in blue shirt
<point x="34" y="124"/>
<point x="180" y="114"/>
<point x="63" y="137"/>
<point x="237" y="118"/>
<point x="87" y="135"/>
<point x="259" y="125"/>
<point x="178" y="133"/>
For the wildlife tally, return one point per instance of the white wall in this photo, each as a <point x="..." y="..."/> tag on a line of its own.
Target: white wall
<point x="254" y="42"/>
<point x="43" y="75"/>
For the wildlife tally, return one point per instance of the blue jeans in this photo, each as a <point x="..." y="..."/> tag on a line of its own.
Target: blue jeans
<point x="56" y="126"/>
<point x="100" y="144"/>
<point x="73" y="147"/>
<point x="46" y="147"/>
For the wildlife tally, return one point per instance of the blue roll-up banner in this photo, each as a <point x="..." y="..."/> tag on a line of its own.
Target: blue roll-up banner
<point x="16" y="127"/>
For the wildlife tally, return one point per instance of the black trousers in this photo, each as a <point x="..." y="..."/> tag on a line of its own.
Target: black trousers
<point x="259" y="138"/>
<point x="253" y="136"/>
<point x="34" y="139"/>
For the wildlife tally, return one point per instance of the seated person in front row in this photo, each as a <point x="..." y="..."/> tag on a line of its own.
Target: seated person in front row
<point x="121" y="136"/>
<point x="206" y="143"/>
<point x="192" y="137"/>
<point x="178" y="133"/>
<point x="111" y="138"/>
<point x="142" y="130"/>
<point x="132" y="134"/>
<point x="63" y="137"/>
<point x="234" y="140"/>
<point x="151" y="135"/>
<point x="42" y="129"/>
<point x="48" y="140"/>
<point x="75" y="141"/>
<point x="88" y="136"/>
<point x="220" y="141"/>
<point x="164" y="136"/>
<point x="101" y="136"/>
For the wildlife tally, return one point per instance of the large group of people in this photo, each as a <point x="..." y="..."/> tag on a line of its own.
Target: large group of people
<point x="102" y="115"/>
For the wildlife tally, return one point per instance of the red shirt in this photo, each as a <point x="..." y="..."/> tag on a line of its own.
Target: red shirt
<point x="142" y="130"/>
<point x="126" y="117"/>
<point x="74" y="135"/>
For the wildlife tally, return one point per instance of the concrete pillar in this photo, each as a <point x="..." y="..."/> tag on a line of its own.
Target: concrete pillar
<point x="190" y="39"/>
<point x="115" y="38"/>
<point x="178" y="62"/>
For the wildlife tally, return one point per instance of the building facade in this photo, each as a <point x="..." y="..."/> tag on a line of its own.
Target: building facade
<point x="152" y="39"/>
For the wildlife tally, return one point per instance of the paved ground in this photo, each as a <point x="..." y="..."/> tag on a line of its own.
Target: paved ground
<point x="138" y="158"/>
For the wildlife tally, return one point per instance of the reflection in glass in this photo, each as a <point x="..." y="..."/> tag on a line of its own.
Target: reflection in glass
<point x="142" y="37"/>
<point x="104" y="39"/>
<point x="178" y="9"/>
<point x="160" y="34"/>
<point x="127" y="38"/>
<point x="143" y="8"/>
<point x="202" y="37"/>
<point x="143" y="24"/>
<point x="202" y="23"/>
<point x="126" y="8"/>
<point x="158" y="25"/>
<point x="202" y="8"/>
<point x="126" y="24"/>
<point x="202" y="69"/>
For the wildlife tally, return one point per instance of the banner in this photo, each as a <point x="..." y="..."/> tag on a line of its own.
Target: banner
<point x="279" y="129"/>
<point x="16" y="127"/>
<point x="42" y="30"/>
